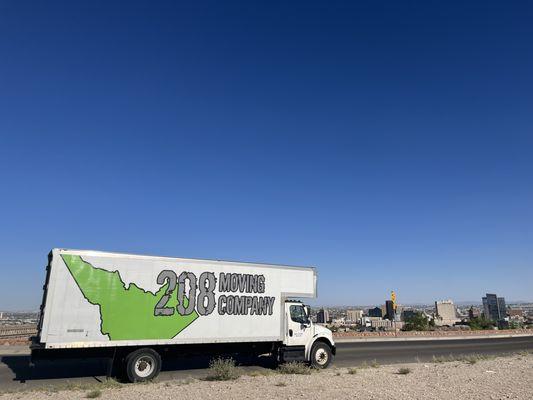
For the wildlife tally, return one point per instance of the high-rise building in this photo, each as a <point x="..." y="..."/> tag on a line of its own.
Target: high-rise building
<point x="445" y="313"/>
<point x="502" y="308"/>
<point x="375" y="312"/>
<point x="354" y="315"/>
<point x="494" y="307"/>
<point x="390" y="312"/>
<point x="322" y="317"/>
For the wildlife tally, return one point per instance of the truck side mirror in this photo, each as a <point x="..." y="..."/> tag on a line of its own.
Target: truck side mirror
<point x="308" y="315"/>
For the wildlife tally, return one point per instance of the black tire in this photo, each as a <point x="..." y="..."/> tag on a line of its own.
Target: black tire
<point x="321" y="355"/>
<point x="142" y="365"/>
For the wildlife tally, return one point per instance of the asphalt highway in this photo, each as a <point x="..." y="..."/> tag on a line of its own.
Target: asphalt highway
<point x="16" y="373"/>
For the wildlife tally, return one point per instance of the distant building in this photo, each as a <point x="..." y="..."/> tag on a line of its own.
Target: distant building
<point x="338" y="321"/>
<point x="390" y="312"/>
<point x="375" y="312"/>
<point x="445" y="313"/>
<point x="494" y="307"/>
<point x="502" y="307"/>
<point x="354" y="315"/>
<point x="383" y="311"/>
<point x="473" y="313"/>
<point x="385" y="324"/>
<point x="515" y="312"/>
<point x="322" y="317"/>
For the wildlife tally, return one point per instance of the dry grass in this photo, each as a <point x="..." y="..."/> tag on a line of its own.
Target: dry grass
<point x="93" y="394"/>
<point x="352" y="371"/>
<point x="373" y="364"/>
<point x="263" y="372"/>
<point x="222" y="369"/>
<point x="295" y="368"/>
<point x="466" y="358"/>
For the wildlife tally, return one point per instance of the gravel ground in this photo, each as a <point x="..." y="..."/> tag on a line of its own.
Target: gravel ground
<point x="498" y="378"/>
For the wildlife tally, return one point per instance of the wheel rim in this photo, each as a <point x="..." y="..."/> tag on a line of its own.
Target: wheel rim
<point x="144" y="366"/>
<point x="321" y="357"/>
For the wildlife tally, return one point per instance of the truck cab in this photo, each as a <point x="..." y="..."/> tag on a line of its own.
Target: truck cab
<point x="303" y="340"/>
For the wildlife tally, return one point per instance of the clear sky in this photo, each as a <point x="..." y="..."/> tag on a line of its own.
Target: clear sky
<point x="390" y="144"/>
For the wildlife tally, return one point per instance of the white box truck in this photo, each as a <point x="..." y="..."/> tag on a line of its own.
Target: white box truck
<point x="136" y="309"/>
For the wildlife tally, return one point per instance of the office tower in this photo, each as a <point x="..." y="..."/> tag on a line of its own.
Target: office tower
<point x="375" y="312"/>
<point x="390" y="312"/>
<point x="494" y="307"/>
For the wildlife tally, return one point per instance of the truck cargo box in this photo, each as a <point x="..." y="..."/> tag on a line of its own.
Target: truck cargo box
<point x="98" y="299"/>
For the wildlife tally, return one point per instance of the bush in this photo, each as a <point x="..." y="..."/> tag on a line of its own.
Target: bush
<point x="352" y="371"/>
<point x="481" y="323"/>
<point x="222" y="369"/>
<point x="294" y="367"/>
<point x="416" y="322"/>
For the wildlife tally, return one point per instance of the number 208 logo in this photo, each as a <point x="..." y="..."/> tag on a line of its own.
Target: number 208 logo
<point x="201" y="294"/>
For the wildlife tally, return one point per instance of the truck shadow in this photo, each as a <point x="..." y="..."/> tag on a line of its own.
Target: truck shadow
<point x="98" y="368"/>
<point x="58" y="369"/>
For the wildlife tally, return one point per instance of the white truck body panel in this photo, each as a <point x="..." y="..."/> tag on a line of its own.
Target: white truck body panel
<point x="76" y="315"/>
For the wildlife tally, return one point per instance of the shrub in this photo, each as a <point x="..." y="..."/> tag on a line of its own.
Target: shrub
<point x="222" y="369"/>
<point x="441" y="359"/>
<point x="416" y="322"/>
<point x="481" y="323"/>
<point x="352" y="371"/>
<point x="294" y="367"/>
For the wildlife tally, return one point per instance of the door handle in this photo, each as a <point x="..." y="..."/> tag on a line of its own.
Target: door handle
<point x="290" y="332"/>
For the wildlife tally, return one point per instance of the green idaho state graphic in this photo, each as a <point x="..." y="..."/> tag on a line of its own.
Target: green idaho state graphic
<point x="126" y="313"/>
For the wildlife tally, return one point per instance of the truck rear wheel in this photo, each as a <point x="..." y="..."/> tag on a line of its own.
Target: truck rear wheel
<point x="143" y="365"/>
<point x="320" y="355"/>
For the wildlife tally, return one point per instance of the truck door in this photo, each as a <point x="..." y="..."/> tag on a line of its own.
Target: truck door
<point x="299" y="331"/>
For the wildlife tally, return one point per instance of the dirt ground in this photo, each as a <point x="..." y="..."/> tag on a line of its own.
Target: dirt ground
<point x="495" y="378"/>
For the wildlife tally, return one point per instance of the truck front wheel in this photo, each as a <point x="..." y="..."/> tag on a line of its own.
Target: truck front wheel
<point x="143" y="365"/>
<point x="320" y="355"/>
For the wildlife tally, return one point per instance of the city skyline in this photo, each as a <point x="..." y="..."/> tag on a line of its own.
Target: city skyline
<point x="317" y="305"/>
<point x="387" y="144"/>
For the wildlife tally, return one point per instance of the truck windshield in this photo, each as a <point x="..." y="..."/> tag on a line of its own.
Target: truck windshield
<point x="298" y="314"/>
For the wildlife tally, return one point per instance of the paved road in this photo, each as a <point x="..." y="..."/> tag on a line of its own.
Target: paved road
<point x="16" y="373"/>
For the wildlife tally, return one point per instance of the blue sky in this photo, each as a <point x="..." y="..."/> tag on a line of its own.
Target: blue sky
<point x="387" y="143"/>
